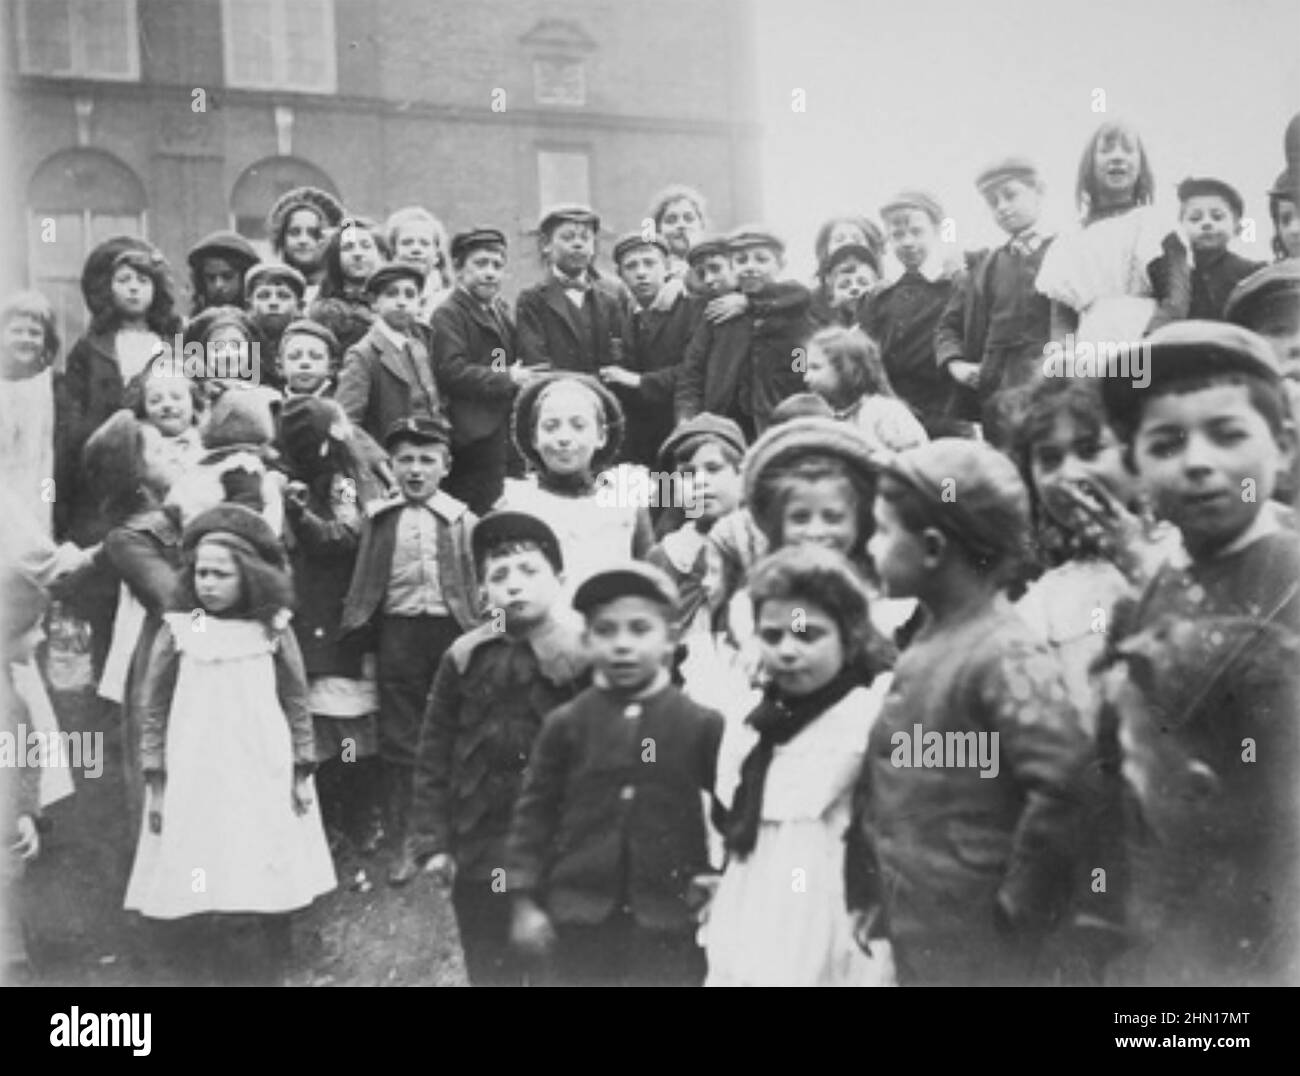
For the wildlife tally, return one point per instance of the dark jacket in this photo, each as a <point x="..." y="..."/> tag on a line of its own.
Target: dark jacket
<point x="488" y="700"/>
<point x="88" y="392"/>
<point x="744" y="367"/>
<point x="656" y="349"/>
<point x="381" y="383"/>
<point x="1213" y="279"/>
<point x="550" y="330"/>
<point x="902" y="318"/>
<point x="471" y="354"/>
<point x="610" y="812"/>
<point x="365" y="596"/>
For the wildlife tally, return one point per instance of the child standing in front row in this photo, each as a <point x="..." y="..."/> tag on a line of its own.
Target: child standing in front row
<point x="779" y="917"/>
<point x="608" y="831"/>
<point x="226" y="742"/>
<point x="964" y="864"/>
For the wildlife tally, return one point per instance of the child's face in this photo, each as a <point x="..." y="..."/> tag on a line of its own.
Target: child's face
<point x="1279" y="324"/>
<point x="680" y="224"/>
<point x="229" y="348"/>
<point x="416" y="243"/>
<point x="1288" y="227"/>
<point x="851" y="281"/>
<point x="569" y="430"/>
<point x="1208" y="460"/>
<point x="1071" y="456"/>
<point x="273" y="298"/>
<point x="755" y="267"/>
<point x="304" y="240"/>
<point x="897" y="553"/>
<point x="1116" y="163"/>
<point x="132" y="291"/>
<point x="643" y="270"/>
<point x="304" y="362"/>
<point x="217" y="580"/>
<point x="799" y="645"/>
<point x="24" y="339"/>
<point x="482" y="272"/>
<point x="397" y="303"/>
<point x="716" y="483"/>
<point x="912" y="235"/>
<point x="821" y="512"/>
<point x="358" y="254"/>
<point x="419" y="469"/>
<point x="630" y="640"/>
<point x="819" y="376"/>
<point x="1209" y="222"/>
<point x="571" y="247"/>
<point x="714" y="276"/>
<point x="523" y="585"/>
<point x="168" y="404"/>
<point x="221" y="282"/>
<point x="844" y="232"/>
<point x="1015" y="204"/>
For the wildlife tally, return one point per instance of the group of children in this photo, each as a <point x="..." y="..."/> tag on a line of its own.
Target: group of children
<point x="694" y="624"/>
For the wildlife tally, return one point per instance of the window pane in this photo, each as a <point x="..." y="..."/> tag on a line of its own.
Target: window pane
<point x="559" y="82"/>
<point x="249" y="38"/>
<point x="103" y="225"/>
<point x="563" y="177"/>
<point x="308" y="42"/>
<point x="47" y="36"/>
<point x="104" y="29"/>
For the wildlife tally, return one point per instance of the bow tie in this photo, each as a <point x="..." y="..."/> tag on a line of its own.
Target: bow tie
<point x="579" y="286"/>
<point x="1027" y="243"/>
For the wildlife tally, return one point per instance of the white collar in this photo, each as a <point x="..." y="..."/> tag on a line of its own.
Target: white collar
<point x="395" y="338"/>
<point x="1267" y="521"/>
<point x="660" y="681"/>
<point x="933" y="268"/>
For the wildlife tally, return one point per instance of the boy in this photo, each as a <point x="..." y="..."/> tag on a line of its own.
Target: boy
<point x="476" y="360"/>
<point x="608" y="830"/>
<point x="662" y="320"/>
<point x="992" y="332"/>
<point x="306" y="358"/>
<point x="493" y="688"/>
<point x="706" y="451"/>
<point x="710" y="266"/>
<point x="273" y="295"/>
<point x="966" y="861"/>
<point x="416" y="236"/>
<point x="1210" y="212"/>
<point x="902" y="315"/>
<point x="219" y="264"/>
<point x="1208" y="707"/>
<point x="849" y="272"/>
<point x="743" y="367"/>
<point x="414" y="582"/>
<point x="572" y="319"/>
<point x="387" y="375"/>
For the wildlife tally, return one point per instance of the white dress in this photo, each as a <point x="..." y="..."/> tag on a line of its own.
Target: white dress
<point x="230" y="840"/>
<point x="27" y="443"/>
<point x="778" y="917"/>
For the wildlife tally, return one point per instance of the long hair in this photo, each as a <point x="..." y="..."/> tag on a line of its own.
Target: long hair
<point x="777" y="484"/>
<point x="32" y="304"/>
<point x="114" y="465"/>
<point x="161" y="317"/>
<point x="1086" y="194"/>
<point x="333" y="283"/>
<point x="856" y="360"/>
<point x="265" y="589"/>
<point x="677" y="192"/>
<point x="412" y="213"/>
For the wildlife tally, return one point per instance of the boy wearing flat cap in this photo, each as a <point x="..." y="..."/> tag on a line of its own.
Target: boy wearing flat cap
<point x="494" y="686"/>
<point x="1204" y="682"/>
<point x="903" y="314"/>
<point x="964" y="862"/>
<point x="273" y="295"/>
<point x="387" y="374"/>
<point x="307" y="359"/>
<point x="742" y="365"/>
<point x="477" y="364"/>
<point x="609" y="830"/>
<point x="573" y="319"/>
<point x="414" y="583"/>
<point x="995" y="325"/>
<point x="1210" y="213"/>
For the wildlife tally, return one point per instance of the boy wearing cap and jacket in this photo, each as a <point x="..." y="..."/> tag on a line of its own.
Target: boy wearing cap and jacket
<point x="476" y="361"/>
<point x="387" y="375"/>
<point x="961" y="854"/>
<point x="1210" y="212"/>
<point x="414" y="582"/>
<point x="572" y="319"/>
<point x="608" y="830"/>
<point x="273" y="295"/>
<point x="995" y="325"/>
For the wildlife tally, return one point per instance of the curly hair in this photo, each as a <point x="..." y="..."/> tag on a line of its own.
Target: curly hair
<point x="856" y="361"/>
<point x="265" y="589"/>
<point x="677" y="192"/>
<point x="161" y="317"/>
<point x="777" y="484"/>
<point x="410" y="214"/>
<point x="34" y="305"/>
<point x="1086" y="193"/>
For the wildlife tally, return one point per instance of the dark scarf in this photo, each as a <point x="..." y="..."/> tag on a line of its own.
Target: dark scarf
<point x="778" y="720"/>
<point x="566" y="485"/>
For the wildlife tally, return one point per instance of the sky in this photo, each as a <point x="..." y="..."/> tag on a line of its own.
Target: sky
<point x="923" y="93"/>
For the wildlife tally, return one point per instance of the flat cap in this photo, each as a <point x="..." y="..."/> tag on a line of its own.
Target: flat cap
<point x="841" y="254"/>
<point x="1021" y="168"/>
<point x="1276" y="283"/>
<point x="709" y="246"/>
<point x="311" y="327"/>
<point x="1193" y="187"/>
<point x="497" y="528"/>
<point x="753" y="235"/>
<point x="553" y="216"/>
<point x="464" y="242"/>
<point x="223" y="244"/>
<point x="632" y="240"/>
<point x="634" y="579"/>
<point x="274" y="273"/>
<point x="926" y="202"/>
<point x="377" y="281"/>
<point x="702" y="427"/>
<point x="419" y="429"/>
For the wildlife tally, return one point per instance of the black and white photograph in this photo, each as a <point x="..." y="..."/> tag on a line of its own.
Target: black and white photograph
<point x="589" y="493"/>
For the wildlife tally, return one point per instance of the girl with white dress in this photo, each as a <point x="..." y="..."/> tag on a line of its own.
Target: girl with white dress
<point x="786" y="776"/>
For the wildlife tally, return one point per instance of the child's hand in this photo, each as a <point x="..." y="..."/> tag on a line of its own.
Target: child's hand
<point x="531" y="931"/>
<point x="865" y="922"/>
<point x="28" y="844"/>
<point x="726" y="307"/>
<point x="295" y="493"/>
<point x="965" y="373"/>
<point x="522" y="375"/>
<point x="700" y="894"/>
<point x="443" y="869"/>
<point x="302" y="794"/>
<point x="1120" y="535"/>
<point x="617" y="375"/>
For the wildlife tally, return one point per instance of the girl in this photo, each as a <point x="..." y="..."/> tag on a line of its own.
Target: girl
<point x="352" y="253"/>
<point x="1285" y="211"/>
<point x="779" y="916"/>
<point x="568" y="428"/>
<point x="298" y="224"/>
<point x="1100" y="279"/>
<point x="680" y="220"/>
<point x="232" y="352"/>
<point x="175" y="406"/>
<point x="218" y="265"/>
<point x="330" y="481"/>
<point x="417" y="237"/>
<point x="844" y="368"/>
<point x="29" y="344"/>
<point x="226" y="741"/>
<point x="126" y="462"/>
